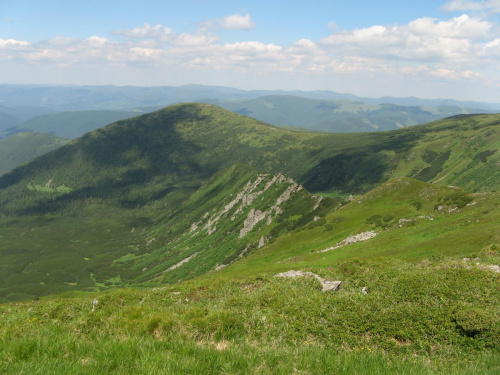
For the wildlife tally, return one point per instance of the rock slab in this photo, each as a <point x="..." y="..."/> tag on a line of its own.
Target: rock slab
<point x="327" y="285"/>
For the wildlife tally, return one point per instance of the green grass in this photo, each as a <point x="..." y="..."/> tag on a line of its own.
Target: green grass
<point x="408" y="322"/>
<point x="150" y="205"/>
<point x="46" y="255"/>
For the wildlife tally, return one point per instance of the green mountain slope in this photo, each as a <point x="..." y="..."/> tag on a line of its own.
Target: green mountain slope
<point x="418" y="297"/>
<point x="22" y="147"/>
<point x="339" y="116"/>
<point x="235" y="212"/>
<point x="198" y="194"/>
<point x="12" y="116"/>
<point x="404" y="218"/>
<point x="238" y="209"/>
<point x="134" y="162"/>
<point x="153" y="178"/>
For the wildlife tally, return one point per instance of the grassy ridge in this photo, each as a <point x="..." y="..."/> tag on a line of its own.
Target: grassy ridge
<point x="413" y="221"/>
<point x="137" y="161"/>
<point x="337" y="116"/>
<point x="20" y="148"/>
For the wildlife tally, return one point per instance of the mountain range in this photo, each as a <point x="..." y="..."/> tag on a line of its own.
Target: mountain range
<point x="77" y="98"/>
<point x="198" y="208"/>
<point x="147" y="169"/>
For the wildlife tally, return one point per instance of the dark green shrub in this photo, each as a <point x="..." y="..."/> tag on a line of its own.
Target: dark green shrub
<point x="429" y="156"/>
<point x="376" y="220"/>
<point x="472" y="321"/>
<point x="417" y="205"/>
<point x="457" y="199"/>
<point x="388" y="218"/>
<point x="484" y="155"/>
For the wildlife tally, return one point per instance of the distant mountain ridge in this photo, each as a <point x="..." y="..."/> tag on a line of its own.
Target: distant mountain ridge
<point x="337" y="116"/>
<point x="66" y="98"/>
<point x="71" y="124"/>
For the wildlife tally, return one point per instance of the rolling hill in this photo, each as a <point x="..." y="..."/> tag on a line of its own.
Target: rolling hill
<point x="339" y="116"/>
<point x="149" y="169"/>
<point x="19" y="148"/>
<point x="11" y="116"/>
<point x="196" y="209"/>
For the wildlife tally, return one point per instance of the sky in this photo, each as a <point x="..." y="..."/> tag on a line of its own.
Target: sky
<point x="426" y="48"/>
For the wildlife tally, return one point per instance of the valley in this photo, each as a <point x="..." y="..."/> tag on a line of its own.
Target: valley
<point x="176" y="222"/>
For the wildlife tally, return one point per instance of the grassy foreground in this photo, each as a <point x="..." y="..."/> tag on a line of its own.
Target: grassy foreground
<point x="431" y="317"/>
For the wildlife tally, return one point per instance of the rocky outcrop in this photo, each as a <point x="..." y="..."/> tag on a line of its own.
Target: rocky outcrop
<point x="245" y="198"/>
<point x="262" y="242"/>
<point x="254" y="216"/>
<point x="494" y="267"/>
<point x="352" y="239"/>
<point x="327" y="285"/>
<point x="318" y="201"/>
<point x="181" y="262"/>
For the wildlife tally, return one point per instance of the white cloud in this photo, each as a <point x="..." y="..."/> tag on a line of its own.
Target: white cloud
<point x="458" y="27"/>
<point x="454" y="75"/>
<point x="145" y="53"/>
<point x="424" y="39"/>
<point x="97" y="40"/>
<point x="469" y="5"/>
<point x="237" y="21"/>
<point x="427" y="50"/>
<point x="194" y="40"/>
<point x="234" y="21"/>
<point x="48" y="55"/>
<point x="12" y="42"/>
<point x="158" y="32"/>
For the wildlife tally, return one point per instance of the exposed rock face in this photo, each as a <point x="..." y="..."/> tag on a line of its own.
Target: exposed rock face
<point x="262" y="241"/>
<point x="242" y="217"/>
<point x="181" y="263"/>
<point x="319" y="199"/>
<point x="255" y="216"/>
<point x="352" y="239"/>
<point x="245" y="198"/>
<point x="326" y="284"/>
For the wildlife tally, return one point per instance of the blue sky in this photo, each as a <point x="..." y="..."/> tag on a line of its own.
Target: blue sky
<point x="445" y="49"/>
